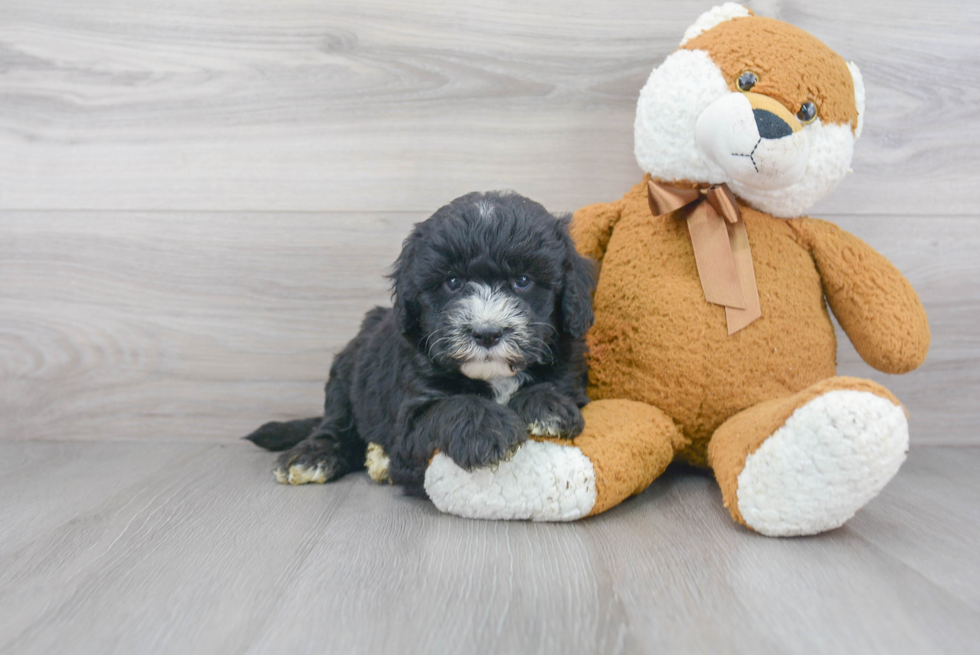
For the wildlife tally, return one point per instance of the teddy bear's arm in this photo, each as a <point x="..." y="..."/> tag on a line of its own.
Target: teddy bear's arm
<point x="874" y="303"/>
<point x="592" y="226"/>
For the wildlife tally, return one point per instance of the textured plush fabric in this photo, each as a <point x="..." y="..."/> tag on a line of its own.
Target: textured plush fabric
<point x="777" y="53"/>
<point x="715" y="16"/>
<point x="877" y="307"/>
<point x="829" y="458"/>
<point x="541" y="482"/>
<point x="743" y="433"/>
<point x="658" y="341"/>
<point x="624" y="447"/>
<point x="792" y="68"/>
<point x="630" y="444"/>
<point x="666" y="379"/>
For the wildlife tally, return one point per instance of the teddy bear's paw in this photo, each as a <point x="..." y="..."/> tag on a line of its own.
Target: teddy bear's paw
<point x="832" y="455"/>
<point x="541" y="482"/>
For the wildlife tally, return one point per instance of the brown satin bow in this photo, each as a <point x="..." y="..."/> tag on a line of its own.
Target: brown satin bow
<point x="721" y="247"/>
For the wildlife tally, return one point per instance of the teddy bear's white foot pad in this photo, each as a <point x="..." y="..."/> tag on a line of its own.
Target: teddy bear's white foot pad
<point x="832" y="456"/>
<point x="541" y="482"/>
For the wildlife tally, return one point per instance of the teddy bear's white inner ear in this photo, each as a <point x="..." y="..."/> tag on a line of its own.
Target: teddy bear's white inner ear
<point x="858" y="95"/>
<point x="714" y="16"/>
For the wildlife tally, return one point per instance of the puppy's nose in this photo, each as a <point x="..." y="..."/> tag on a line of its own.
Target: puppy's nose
<point x="487" y="335"/>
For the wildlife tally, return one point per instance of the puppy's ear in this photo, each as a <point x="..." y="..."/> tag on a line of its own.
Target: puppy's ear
<point x="404" y="290"/>
<point x="579" y="283"/>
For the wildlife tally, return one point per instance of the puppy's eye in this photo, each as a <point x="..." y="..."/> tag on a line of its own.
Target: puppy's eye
<point x="747" y="80"/>
<point x="454" y="284"/>
<point x="807" y="113"/>
<point x="522" y="283"/>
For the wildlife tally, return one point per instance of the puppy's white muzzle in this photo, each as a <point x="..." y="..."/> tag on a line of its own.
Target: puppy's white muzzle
<point x="754" y="139"/>
<point x="487" y="309"/>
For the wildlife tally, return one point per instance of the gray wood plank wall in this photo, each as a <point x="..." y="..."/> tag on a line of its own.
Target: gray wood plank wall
<point x="198" y="199"/>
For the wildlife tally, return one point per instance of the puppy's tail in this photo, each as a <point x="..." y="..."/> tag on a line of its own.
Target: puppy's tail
<point x="283" y="436"/>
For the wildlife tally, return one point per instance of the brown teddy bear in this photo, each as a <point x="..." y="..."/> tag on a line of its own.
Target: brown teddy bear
<point x="713" y="344"/>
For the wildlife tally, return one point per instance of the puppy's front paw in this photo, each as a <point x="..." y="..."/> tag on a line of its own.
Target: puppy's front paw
<point x="488" y="438"/>
<point x="308" y="462"/>
<point x="547" y="413"/>
<point x="549" y="426"/>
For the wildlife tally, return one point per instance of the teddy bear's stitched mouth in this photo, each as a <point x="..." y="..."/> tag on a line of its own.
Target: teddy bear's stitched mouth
<point x="750" y="155"/>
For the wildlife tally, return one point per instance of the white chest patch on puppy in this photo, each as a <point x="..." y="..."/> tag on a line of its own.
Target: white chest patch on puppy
<point x="505" y="388"/>
<point x="490" y="370"/>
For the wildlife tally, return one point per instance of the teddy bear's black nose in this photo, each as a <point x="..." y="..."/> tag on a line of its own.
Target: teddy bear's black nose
<point x="770" y="125"/>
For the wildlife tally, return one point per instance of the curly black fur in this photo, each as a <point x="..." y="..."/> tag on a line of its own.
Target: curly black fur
<point x="491" y="304"/>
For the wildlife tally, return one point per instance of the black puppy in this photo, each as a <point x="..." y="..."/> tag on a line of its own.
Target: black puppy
<point x="484" y="345"/>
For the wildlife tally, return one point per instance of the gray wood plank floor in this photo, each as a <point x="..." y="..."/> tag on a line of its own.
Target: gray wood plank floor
<point x="169" y="548"/>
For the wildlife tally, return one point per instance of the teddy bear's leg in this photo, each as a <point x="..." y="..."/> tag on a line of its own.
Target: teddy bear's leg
<point x="806" y="463"/>
<point x="624" y="447"/>
<point x="629" y="444"/>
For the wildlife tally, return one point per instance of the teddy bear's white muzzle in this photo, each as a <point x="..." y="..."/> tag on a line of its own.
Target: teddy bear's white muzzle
<point x="754" y="146"/>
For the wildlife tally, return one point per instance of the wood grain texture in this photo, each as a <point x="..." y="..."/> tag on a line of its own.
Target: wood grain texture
<point x="202" y="326"/>
<point x="208" y="555"/>
<point x="387" y="105"/>
<point x="198" y="202"/>
<point x="124" y="326"/>
<point x="46" y="484"/>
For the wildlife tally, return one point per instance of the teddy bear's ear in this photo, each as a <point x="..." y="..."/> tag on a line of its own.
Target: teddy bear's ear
<point x="858" y="96"/>
<point x="715" y="16"/>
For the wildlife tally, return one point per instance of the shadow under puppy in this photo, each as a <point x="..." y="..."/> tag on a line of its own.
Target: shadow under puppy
<point x="483" y="346"/>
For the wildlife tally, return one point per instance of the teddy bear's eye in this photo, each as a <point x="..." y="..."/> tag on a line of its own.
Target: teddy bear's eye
<point x="807" y="113"/>
<point x="747" y="80"/>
